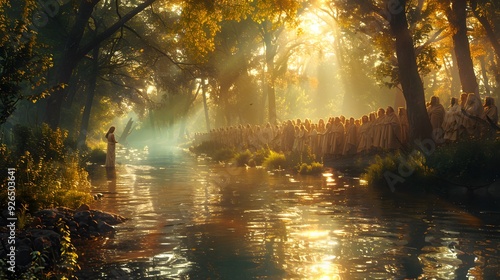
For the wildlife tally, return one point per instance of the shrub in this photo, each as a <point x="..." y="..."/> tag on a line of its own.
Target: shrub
<point x="97" y="156"/>
<point x="47" y="174"/>
<point x="376" y="172"/>
<point x="296" y="158"/>
<point x="222" y="154"/>
<point x="275" y="160"/>
<point x="260" y="155"/>
<point x="316" y="168"/>
<point x="471" y="161"/>
<point x="310" y="169"/>
<point x="243" y="158"/>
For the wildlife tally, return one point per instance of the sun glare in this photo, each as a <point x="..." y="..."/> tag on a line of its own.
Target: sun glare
<point x="311" y="24"/>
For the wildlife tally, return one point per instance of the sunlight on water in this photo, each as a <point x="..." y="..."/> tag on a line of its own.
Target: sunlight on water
<point x="190" y="219"/>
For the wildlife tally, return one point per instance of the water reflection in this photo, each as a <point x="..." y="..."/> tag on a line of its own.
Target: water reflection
<point x="193" y="219"/>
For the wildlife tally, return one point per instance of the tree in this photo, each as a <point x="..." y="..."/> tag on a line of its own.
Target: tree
<point x="203" y="21"/>
<point x="411" y="83"/>
<point x="23" y="62"/>
<point x="74" y="50"/>
<point x="457" y="16"/>
<point x="396" y="43"/>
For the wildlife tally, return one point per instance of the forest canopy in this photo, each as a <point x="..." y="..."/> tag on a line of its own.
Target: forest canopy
<point x="184" y="66"/>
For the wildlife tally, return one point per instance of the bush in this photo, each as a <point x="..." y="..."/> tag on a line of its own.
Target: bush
<point x="275" y="160"/>
<point x="214" y="150"/>
<point x="243" y="158"/>
<point x="471" y="161"/>
<point x="47" y="174"/>
<point x="260" y="155"/>
<point x="97" y="156"/>
<point x="310" y="169"/>
<point x="390" y="164"/>
<point x="222" y="154"/>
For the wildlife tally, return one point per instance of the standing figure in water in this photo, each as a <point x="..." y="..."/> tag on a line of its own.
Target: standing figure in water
<point x="110" y="155"/>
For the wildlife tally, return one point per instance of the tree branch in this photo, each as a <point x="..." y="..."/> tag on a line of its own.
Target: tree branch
<point x="113" y="28"/>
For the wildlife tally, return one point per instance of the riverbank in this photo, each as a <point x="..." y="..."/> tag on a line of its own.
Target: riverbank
<point x="193" y="218"/>
<point x="44" y="244"/>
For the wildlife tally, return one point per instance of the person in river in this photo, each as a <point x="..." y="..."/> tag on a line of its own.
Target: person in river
<point x="110" y="151"/>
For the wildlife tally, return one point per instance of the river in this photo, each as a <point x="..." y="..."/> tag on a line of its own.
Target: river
<point x="191" y="218"/>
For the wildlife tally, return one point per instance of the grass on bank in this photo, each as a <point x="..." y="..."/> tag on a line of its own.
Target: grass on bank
<point x="48" y="173"/>
<point x="301" y="162"/>
<point x="466" y="163"/>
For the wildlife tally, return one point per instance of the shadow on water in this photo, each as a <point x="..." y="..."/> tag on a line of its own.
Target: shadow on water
<point x="192" y="219"/>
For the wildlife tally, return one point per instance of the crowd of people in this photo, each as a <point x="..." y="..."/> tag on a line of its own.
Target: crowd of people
<point x="381" y="130"/>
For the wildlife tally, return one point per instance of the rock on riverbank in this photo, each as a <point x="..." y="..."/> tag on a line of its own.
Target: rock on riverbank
<point x="43" y="233"/>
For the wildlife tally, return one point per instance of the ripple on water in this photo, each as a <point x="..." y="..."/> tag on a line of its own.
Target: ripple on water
<point x="192" y="221"/>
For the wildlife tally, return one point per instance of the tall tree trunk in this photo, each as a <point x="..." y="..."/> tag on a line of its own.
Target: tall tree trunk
<point x="94" y="72"/>
<point x="496" y="73"/>
<point x="455" y="74"/>
<point x="68" y="62"/>
<point x="271" y="93"/>
<point x="73" y="52"/>
<point x="126" y="132"/>
<point x="490" y="33"/>
<point x="457" y="17"/>
<point x="413" y="90"/>
<point x="205" y="107"/>
<point x="484" y="73"/>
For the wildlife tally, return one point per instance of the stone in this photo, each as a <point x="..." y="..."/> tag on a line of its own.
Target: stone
<point x="36" y="222"/>
<point x="104" y="227"/>
<point x="112" y="219"/>
<point x="23" y="256"/>
<point x="83" y="207"/>
<point x="83" y="217"/>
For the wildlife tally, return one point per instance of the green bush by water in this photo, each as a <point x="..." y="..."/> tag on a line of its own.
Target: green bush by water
<point x="48" y="174"/>
<point x="310" y="169"/>
<point x="243" y="158"/>
<point x="469" y="163"/>
<point x="275" y="160"/>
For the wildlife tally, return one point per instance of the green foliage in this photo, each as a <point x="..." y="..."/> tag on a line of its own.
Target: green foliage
<point x="47" y="174"/>
<point x="36" y="268"/>
<point x="22" y="61"/>
<point x="23" y="217"/>
<point x="376" y="172"/>
<point x="214" y="150"/>
<point x="296" y="159"/>
<point x="275" y="160"/>
<point x="224" y="154"/>
<point x="94" y="156"/>
<point x="242" y="158"/>
<point x="467" y="161"/>
<point x="68" y="261"/>
<point x="260" y="155"/>
<point x="42" y="142"/>
<point x="310" y="169"/>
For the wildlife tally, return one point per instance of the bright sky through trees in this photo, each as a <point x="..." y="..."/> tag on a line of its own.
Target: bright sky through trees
<point x="307" y="59"/>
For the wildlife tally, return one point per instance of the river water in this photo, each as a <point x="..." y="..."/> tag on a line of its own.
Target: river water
<point x="194" y="219"/>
